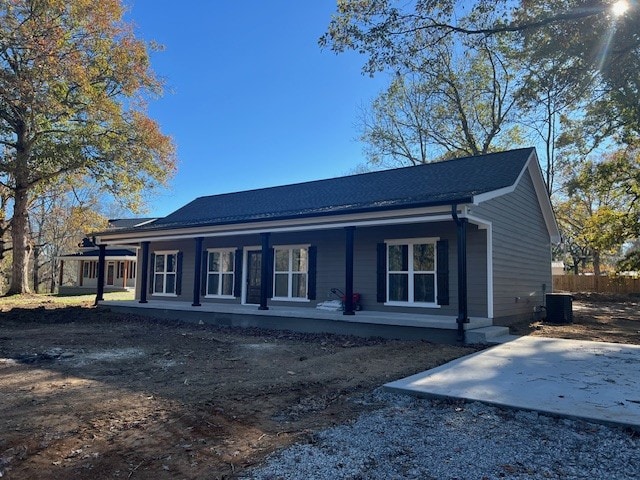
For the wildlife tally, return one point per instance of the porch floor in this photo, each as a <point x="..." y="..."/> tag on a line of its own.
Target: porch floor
<point x="368" y="322"/>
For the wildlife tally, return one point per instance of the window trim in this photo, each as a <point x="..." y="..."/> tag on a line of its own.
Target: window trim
<point x="290" y="273"/>
<point x="90" y="267"/>
<point x="131" y="273"/>
<point x="410" y="242"/>
<point x="164" y="283"/>
<point x="220" y="274"/>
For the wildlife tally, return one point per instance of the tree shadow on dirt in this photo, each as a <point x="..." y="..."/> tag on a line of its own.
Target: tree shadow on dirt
<point x="84" y="388"/>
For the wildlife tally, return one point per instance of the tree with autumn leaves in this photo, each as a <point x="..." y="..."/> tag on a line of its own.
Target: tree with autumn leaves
<point x="74" y="83"/>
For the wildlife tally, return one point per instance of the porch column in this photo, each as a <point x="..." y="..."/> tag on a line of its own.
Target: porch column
<point x="461" y="240"/>
<point x="144" y="272"/>
<point x="125" y="273"/>
<point x="101" y="257"/>
<point x="81" y="276"/>
<point x="348" y="270"/>
<point x="264" y="272"/>
<point x="197" y="275"/>
<point x="60" y="274"/>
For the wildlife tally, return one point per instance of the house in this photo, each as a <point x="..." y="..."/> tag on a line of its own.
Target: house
<point x="558" y="268"/>
<point x="447" y="246"/>
<point x="78" y="272"/>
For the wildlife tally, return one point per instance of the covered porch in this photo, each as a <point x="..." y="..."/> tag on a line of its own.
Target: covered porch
<point x="413" y="326"/>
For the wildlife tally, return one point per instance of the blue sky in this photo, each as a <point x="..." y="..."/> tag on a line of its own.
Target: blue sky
<point x="251" y="100"/>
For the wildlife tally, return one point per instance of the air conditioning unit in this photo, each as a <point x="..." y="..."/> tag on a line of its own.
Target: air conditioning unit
<point x="559" y="308"/>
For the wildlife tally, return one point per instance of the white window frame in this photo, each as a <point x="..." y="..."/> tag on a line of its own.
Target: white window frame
<point x="165" y="253"/>
<point x="221" y="274"/>
<point x="290" y="273"/>
<point x="90" y="267"/>
<point x="132" y="269"/>
<point x="410" y="242"/>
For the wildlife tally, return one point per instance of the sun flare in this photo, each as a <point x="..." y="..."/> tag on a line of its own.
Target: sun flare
<point x="620" y="7"/>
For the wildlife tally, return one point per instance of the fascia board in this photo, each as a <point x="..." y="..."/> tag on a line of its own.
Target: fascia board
<point x="533" y="167"/>
<point x="429" y="214"/>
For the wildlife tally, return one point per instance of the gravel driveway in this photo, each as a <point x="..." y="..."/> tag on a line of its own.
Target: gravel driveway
<point x="428" y="439"/>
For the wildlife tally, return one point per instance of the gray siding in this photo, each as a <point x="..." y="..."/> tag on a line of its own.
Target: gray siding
<point x="331" y="257"/>
<point x="521" y="251"/>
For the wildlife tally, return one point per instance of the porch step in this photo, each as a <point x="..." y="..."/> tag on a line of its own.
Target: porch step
<point x="489" y="335"/>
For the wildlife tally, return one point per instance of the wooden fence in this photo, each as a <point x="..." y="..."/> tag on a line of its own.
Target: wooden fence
<point x="591" y="283"/>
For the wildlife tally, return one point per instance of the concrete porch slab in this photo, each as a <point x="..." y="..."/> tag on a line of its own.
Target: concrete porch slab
<point x="438" y="328"/>
<point x="594" y="381"/>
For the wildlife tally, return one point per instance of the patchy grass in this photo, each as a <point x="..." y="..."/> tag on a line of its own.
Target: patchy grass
<point x="45" y="300"/>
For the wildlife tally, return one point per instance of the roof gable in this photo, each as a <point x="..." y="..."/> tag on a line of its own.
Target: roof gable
<point x="452" y="181"/>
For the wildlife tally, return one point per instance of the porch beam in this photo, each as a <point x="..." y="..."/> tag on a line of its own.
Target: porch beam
<point x="101" y="260"/>
<point x="348" y="271"/>
<point x="144" y="272"/>
<point x="264" y="272"/>
<point x="197" y="273"/>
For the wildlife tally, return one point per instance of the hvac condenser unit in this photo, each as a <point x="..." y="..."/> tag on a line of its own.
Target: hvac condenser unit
<point x="559" y="308"/>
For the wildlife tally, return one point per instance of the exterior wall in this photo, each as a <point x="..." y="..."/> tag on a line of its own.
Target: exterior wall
<point x="75" y="279"/>
<point x="331" y="264"/>
<point x="521" y="252"/>
<point x="365" y="261"/>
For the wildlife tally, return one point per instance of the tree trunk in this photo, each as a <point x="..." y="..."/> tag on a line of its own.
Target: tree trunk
<point x="20" y="240"/>
<point x="596" y="263"/>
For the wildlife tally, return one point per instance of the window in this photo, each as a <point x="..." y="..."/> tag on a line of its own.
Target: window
<point x="290" y="272"/>
<point x="411" y="271"/>
<point x="90" y="269"/>
<point x="164" y="273"/>
<point x="220" y="273"/>
<point x="132" y="270"/>
<point x="120" y="270"/>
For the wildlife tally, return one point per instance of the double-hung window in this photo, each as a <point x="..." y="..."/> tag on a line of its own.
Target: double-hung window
<point x="411" y="271"/>
<point x="164" y="273"/>
<point x="90" y="269"/>
<point x="291" y="267"/>
<point x="220" y="272"/>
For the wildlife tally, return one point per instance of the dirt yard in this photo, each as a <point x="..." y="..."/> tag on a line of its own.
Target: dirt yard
<point x="597" y="317"/>
<point x="85" y="393"/>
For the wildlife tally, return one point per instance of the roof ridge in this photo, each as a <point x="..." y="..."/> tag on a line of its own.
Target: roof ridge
<point x="320" y="180"/>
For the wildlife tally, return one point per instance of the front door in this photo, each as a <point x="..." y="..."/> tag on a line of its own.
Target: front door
<point x="110" y="273"/>
<point x="254" y="274"/>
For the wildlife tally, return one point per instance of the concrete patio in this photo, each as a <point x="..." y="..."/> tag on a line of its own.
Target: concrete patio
<point x="594" y="381"/>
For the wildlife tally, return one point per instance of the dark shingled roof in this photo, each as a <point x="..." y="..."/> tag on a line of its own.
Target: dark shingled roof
<point x="129" y="222"/>
<point x="452" y="181"/>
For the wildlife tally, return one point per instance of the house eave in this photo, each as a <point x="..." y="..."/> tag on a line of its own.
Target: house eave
<point x="533" y="167"/>
<point x="95" y="257"/>
<point x="364" y="217"/>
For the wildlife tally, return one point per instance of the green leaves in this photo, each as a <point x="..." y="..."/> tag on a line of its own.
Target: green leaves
<point x="601" y="211"/>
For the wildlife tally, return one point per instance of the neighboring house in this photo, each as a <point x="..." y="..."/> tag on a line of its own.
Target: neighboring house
<point x="78" y="272"/>
<point x="448" y="243"/>
<point x="558" y="268"/>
